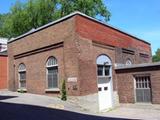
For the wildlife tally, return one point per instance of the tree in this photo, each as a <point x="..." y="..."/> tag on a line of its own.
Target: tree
<point x="35" y="13"/>
<point x="156" y="57"/>
<point x="63" y="91"/>
<point x="3" y="17"/>
<point x="89" y="7"/>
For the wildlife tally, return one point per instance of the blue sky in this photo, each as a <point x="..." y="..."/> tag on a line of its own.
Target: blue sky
<point x="138" y="17"/>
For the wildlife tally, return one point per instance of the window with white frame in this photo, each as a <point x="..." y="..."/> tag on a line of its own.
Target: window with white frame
<point x="103" y="70"/>
<point x="22" y="75"/>
<point x="52" y="73"/>
<point x="103" y="66"/>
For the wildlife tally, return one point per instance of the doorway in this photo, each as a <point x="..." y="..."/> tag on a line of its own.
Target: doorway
<point x="104" y="78"/>
<point x="143" y="89"/>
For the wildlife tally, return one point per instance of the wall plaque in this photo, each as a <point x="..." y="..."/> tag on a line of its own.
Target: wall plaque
<point x="72" y="79"/>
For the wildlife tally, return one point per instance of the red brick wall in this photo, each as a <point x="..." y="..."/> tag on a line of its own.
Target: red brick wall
<point x="155" y="85"/>
<point x="3" y="72"/>
<point x="87" y="53"/>
<point x="35" y="64"/>
<point x="125" y="88"/>
<point x="36" y="79"/>
<point x="126" y="83"/>
<point x="98" y="32"/>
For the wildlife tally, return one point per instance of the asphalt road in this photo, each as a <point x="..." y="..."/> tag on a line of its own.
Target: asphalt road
<point x="10" y="111"/>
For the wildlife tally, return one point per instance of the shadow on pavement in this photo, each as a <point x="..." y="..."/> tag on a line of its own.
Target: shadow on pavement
<point x="7" y="97"/>
<point x="10" y="111"/>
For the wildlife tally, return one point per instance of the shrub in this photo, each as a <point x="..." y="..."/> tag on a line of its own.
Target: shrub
<point x="63" y="91"/>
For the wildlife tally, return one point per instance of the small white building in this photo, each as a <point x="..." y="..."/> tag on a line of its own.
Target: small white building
<point x="3" y="44"/>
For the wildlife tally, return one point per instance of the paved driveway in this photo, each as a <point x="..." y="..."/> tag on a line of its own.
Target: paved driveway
<point x="10" y="111"/>
<point x="136" y="111"/>
<point x="17" y="105"/>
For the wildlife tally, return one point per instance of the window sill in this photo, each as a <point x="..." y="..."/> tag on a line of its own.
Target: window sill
<point x="22" y="90"/>
<point x="104" y="76"/>
<point x="52" y="90"/>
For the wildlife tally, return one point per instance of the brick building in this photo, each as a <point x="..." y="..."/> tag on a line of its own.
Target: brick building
<point x="3" y="70"/>
<point x="139" y="83"/>
<point x="86" y="53"/>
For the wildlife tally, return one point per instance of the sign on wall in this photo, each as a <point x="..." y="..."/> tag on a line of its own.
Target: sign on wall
<point x="72" y="79"/>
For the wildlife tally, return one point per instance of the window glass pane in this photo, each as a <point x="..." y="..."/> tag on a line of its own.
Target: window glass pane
<point x="22" y="79"/>
<point x="22" y="76"/>
<point x="140" y="82"/>
<point x="99" y="89"/>
<point x="51" y="62"/>
<point x="105" y="88"/>
<point x="22" y="84"/>
<point x="53" y="77"/>
<point x="22" y="67"/>
<point x="143" y="82"/>
<point x="137" y="83"/>
<point x="128" y="62"/>
<point x="100" y="70"/>
<point x="149" y="82"/>
<point x="107" y="68"/>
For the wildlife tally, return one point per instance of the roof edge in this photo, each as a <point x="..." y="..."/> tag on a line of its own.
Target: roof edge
<point x="71" y="15"/>
<point x="138" y="66"/>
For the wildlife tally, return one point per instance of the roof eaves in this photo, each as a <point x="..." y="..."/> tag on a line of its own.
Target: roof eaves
<point x="113" y="27"/>
<point x="44" y="26"/>
<point x="138" y="66"/>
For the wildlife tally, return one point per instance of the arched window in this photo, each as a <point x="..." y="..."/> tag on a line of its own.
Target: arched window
<point x="52" y="73"/>
<point x="103" y="66"/>
<point x="128" y="62"/>
<point x="22" y="75"/>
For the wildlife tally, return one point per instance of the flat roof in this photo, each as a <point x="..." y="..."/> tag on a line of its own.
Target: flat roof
<point x="67" y="17"/>
<point x="137" y="66"/>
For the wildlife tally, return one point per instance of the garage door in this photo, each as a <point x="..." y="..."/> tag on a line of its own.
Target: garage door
<point x="143" y="89"/>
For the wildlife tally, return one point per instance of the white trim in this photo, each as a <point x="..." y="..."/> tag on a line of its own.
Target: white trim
<point x="22" y="89"/>
<point x="52" y="66"/>
<point x="52" y="90"/>
<point x="22" y="70"/>
<point x="134" y="83"/>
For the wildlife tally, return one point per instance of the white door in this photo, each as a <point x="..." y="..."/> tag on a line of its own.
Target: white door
<point x="104" y="75"/>
<point x="104" y="93"/>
